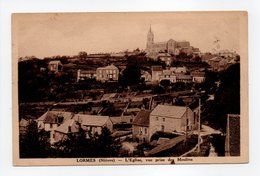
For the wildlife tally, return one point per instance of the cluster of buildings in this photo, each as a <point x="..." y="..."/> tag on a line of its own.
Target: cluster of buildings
<point x="171" y="46"/>
<point x="60" y="124"/>
<point x="173" y="74"/>
<point x="163" y="118"/>
<point x="103" y="74"/>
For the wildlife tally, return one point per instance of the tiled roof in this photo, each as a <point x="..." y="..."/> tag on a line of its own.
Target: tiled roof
<point x="91" y="120"/>
<point x="64" y="128"/>
<point x="109" y="67"/>
<point x="166" y="145"/>
<point x="88" y="71"/>
<point x="169" y="111"/>
<point x="183" y="77"/>
<point x="51" y="116"/>
<point x="55" y="62"/>
<point x="142" y="118"/>
<point x="198" y="74"/>
<point x="156" y="68"/>
<point x="23" y="123"/>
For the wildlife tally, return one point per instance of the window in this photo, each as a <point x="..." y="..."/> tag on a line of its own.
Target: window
<point x="110" y="71"/>
<point x="140" y="130"/>
<point x="157" y="118"/>
<point x="51" y="125"/>
<point x="162" y="128"/>
<point x="187" y="121"/>
<point x="145" y="130"/>
<point x="163" y="119"/>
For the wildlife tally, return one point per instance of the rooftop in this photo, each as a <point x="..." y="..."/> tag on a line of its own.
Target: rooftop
<point x="142" y="118"/>
<point x="169" y="111"/>
<point x="91" y="120"/>
<point x="51" y="116"/>
<point x="55" y="62"/>
<point x="156" y="68"/>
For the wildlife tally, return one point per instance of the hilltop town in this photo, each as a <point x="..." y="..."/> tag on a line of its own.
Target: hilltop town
<point x="167" y="100"/>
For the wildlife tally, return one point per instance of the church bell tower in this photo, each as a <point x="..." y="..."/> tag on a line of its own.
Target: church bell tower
<point x="150" y="38"/>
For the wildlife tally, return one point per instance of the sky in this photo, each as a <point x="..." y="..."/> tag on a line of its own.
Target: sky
<point x="50" y="34"/>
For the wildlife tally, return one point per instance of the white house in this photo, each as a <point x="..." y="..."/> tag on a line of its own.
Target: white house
<point x="55" y="66"/>
<point x="108" y="73"/>
<point x="86" y="74"/>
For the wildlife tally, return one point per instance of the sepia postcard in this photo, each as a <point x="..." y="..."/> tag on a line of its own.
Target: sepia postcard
<point x="124" y="88"/>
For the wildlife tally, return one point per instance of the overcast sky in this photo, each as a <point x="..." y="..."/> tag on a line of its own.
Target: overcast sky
<point x="43" y="35"/>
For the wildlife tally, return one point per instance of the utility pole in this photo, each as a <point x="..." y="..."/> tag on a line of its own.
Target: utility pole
<point x="199" y="129"/>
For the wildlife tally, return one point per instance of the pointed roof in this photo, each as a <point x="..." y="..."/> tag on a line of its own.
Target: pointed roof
<point x="142" y="118"/>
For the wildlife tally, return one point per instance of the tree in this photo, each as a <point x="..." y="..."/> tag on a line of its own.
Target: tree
<point x="227" y="98"/>
<point x="33" y="144"/>
<point x="131" y="75"/>
<point x="83" y="55"/>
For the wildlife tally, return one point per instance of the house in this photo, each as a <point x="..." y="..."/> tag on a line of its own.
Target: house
<point x="179" y="70"/>
<point x="55" y="66"/>
<point x="141" y="126"/>
<point x="93" y="123"/>
<point x="146" y="76"/>
<point x="86" y="74"/>
<point x="89" y="123"/>
<point x="170" y="119"/>
<point x="167" y="75"/>
<point x="108" y="73"/>
<point x="50" y="120"/>
<point x="184" y="78"/>
<point x="156" y="72"/>
<point x="166" y="58"/>
<point x="198" y="77"/>
<point x="232" y="141"/>
<point x="62" y="131"/>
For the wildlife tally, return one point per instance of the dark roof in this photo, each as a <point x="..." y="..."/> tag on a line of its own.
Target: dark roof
<point x="233" y="135"/>
<point x="51" y="116"/>
<point x="166" y="145"/>
<point x="142" y="118"/>
<point x="198" y="74"/>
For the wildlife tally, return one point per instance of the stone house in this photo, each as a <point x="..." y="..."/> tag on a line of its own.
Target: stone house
<point x="108" y="73"/>
<point x="140" y="127"/>
<point x="170" y="119"/>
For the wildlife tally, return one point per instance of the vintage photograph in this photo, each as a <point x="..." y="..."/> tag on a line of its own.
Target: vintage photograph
<point x="130" y="88"/>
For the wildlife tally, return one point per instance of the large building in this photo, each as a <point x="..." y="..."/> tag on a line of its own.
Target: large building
<point x="171" y="46"/>
<point x="172" y="119"/>
<point x="108" y="73"/>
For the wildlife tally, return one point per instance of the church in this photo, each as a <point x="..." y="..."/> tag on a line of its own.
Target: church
<point x="171" y="46"/>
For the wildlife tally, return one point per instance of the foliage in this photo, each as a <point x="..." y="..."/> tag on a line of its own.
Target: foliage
<point x="86" y="144"/>
<point x="33" y="144"/>
<point x="227" y="98"/>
